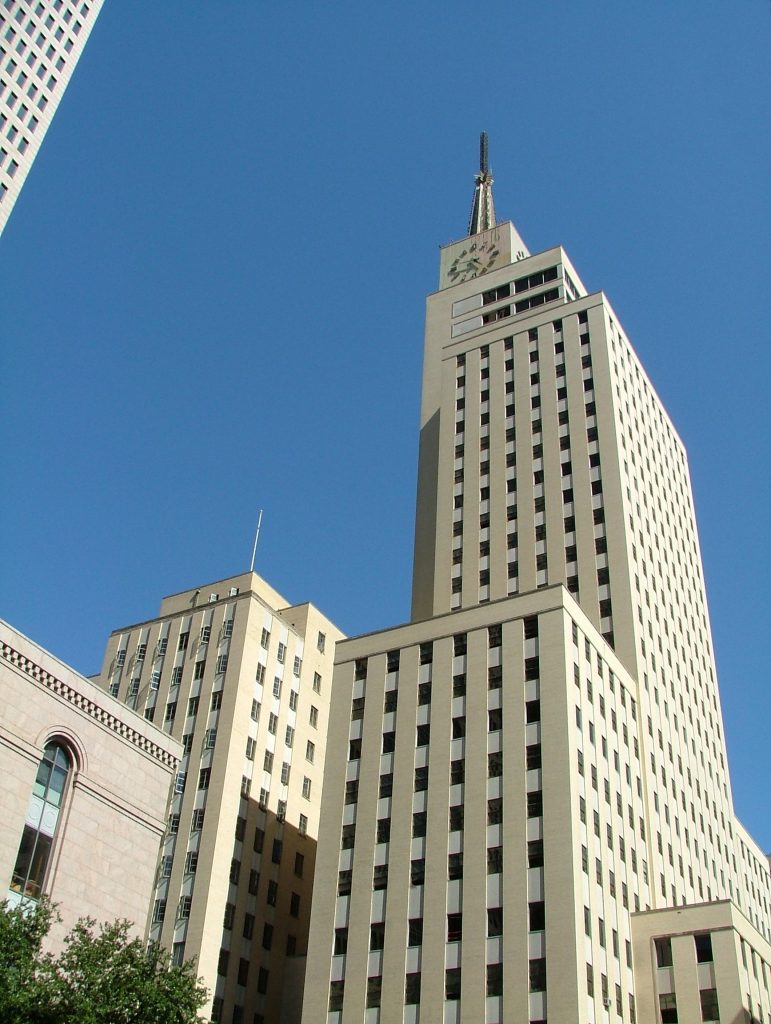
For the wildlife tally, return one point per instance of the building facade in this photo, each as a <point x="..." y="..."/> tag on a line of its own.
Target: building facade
<point x="84" y="796"/>
<point x="243" y="680"/>
<point x="40" y="44"/>
<point x="539" y="754"/>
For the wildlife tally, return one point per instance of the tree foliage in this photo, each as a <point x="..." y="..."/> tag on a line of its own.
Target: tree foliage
<point x="102" y="976"/>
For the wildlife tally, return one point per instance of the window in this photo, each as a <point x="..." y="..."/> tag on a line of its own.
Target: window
<point x="222" y="664"/>
<point x="455" y="866"/>
<point x="423" y="735"/>
<point x="248" y="929"/>
<point x="256" y="711"/>
<point x="271" y="897"/>
<point x="281" y="653"/>
<point x="377" y="935"/>
<point x="273" y="723"/>
<point x="37" y="842"/>
<point x="250" y="745"/>
<point x="306" y="788"/>
<point x="192" y="706"/>
<point x="709" y="1006"/>
<point x="538" y="975"/>
<point x="285" y="773"/>
<point x="265" y="639"/>
<point x="243" y="971"/>
<point x="313" y="718"/>
<point x="495" y="921"/>
<point x="204" y="777"/>
<point x="191" y="862"/>
<point x="341" y="941"/>
<point x="277" y="687"/>
<point x="494" y="860"/>
<point x="316" y="682"/>
<point x="452" y="983"/>
<point x="183" y="908"/>
<point x="668" y="1008"/>
<point x="535" y="804"/>
<point x="310" y="751"/>
<point x="412" y="989"/>
<point x="267" y="761"/>
<point x="196" y="823"/>
<point x="336" y="995"/>
<point x="703" y="944"/>
<point x="297" y="666"/>
<point x="183" y="641"/>
<point x="293" y="696"/>
<point x="495" y="979"/>
<point x="216" y="700"/>
<point x="663" y="952"/>
<point x="289" y="736"/>
<point x="302" y="825"/>
<point x="454" y="927"/>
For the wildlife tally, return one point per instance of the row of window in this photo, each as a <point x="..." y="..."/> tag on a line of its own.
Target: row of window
<point x="452" y="985"/>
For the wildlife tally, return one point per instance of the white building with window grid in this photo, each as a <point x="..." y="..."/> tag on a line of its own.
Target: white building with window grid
<point x="243" y="680"/>
<point x="40" y="44"/>
<point x="536" y="761"/>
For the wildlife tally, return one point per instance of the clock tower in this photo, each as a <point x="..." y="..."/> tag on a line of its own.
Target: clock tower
<point x="489" y="246"/>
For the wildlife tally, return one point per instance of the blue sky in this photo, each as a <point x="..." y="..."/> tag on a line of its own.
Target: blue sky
<point x="212" y="293"/>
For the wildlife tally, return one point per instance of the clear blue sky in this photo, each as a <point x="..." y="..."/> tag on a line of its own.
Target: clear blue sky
<point x="212" y="292"/>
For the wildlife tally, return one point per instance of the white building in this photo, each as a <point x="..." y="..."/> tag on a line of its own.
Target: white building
<point x="243" y="680"/>
<point x="40" y="44"/>
<point x="539" y="754"/>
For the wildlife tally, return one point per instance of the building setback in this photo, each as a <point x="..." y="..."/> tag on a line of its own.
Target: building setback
<point x="40" y="44"/>
<point x="539" y="755"/>
<point x="243" y="680"/>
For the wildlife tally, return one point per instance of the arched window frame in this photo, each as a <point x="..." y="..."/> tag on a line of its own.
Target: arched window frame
<point x="50" y="790"/>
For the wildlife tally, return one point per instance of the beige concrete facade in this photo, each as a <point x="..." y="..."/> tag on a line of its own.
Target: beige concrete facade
<point x="554" y="509"/>
<point x="113" y="811"/>
<point x="243" y="679"/>
<point x="40" y="44"/>
<point x="704" y="962"/>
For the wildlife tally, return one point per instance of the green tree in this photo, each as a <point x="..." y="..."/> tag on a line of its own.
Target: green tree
<point x="102" y="976"/>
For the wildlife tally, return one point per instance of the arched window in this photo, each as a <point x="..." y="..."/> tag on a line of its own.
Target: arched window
<point x="42" y="819"/>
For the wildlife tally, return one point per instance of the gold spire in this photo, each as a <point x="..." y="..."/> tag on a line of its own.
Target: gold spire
<point x="482" y="208"/>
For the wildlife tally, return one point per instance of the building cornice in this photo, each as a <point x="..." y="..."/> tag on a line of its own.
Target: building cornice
<point x="85" y="705"/>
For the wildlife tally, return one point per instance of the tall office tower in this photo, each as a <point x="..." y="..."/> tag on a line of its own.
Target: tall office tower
<point x="536" y="760"/>
<point x="40" y="44"/>
<point x="243" y="680"/>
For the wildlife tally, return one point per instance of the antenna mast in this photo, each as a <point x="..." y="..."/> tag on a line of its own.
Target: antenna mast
<point x="256" y="538"/>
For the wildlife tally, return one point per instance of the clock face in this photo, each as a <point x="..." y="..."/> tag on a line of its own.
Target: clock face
<point x="477" y="259"/>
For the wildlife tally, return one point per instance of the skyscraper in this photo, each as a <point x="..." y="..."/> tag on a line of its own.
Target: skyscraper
<point x="243" y="679"/>
<point x="40" y="44"/>
<point x="537" y="759"/>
